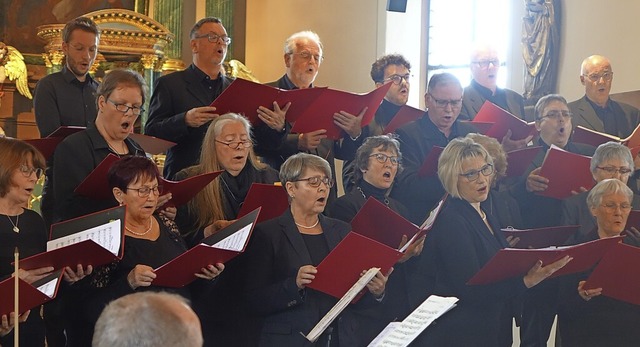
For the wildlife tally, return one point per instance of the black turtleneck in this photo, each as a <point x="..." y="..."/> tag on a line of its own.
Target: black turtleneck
<point x="347" y="206"/>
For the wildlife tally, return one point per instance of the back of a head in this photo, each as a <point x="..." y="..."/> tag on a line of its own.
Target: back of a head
<point x="148" y="319"/>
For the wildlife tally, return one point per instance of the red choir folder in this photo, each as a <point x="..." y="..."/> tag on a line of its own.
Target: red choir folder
<point x="618" y="274"/>
<point x="65" y="131"/>
<point x="633" y="220"/>
<point x="185" y="190"/>
<point x="429" y="166"/>
<point x="46" y="145"/>
<point x="181" y="270"/>
<point x="244" y="97"/>
<point x="512" y="262"/>
<point x="566" y="172"/>
<point x="271" y="198"/>
<point x="405" y="115"/>
<point x="481" y="127"/>
<point x="29" y="294"/>
<point x="339" y="270"/>
<point x="504" y="121"/>
<point x="518" y="161"/>
<point x="541" y="237"/>
<point x="596" y="138"/>
<point x="95" y="185"/>
<point x="76" y="246"/>
<point x="378" y="222"/>
<point x="319" y="115"/>
<point x="151" y="144"/>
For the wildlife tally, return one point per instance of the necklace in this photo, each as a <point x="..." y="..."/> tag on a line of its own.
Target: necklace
<point x="124" y="151"/>
<point x="143" y="233"/>
<point x="308" y="227"/>
<point x="15" y="225"/>
<point x="233" y="196"/>
<point x="386" y="201"/>
<point x="483" y="215"/>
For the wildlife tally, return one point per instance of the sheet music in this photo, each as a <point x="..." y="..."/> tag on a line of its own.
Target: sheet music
<point x="49" y="288"/>
<point x="432" y="216"/>
<point x="402" y="334"/>
<point x="328" y="318"/>
<point x="235" y="241"/>
<point x="106" y="235"/>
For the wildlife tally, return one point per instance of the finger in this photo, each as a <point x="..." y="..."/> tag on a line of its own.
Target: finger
<point x="286" y="107"/>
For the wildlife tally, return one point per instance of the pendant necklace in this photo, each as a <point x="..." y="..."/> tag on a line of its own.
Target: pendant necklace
<point x="142" y="233"/>
<point x="386" y="201"/>
<point x="15" y="225"/>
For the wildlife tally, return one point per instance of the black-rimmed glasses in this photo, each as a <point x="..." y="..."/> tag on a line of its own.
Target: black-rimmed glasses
<point x="143" y="192"/>
<point x="612" y="170"/>
<point x="473" y="175"/>
<point x="442" y="103"/>
<point x="124" y="108"/>
<point x="213" y="38"/>
<point x="397" y="79"/>
<point x="315" y="181"/>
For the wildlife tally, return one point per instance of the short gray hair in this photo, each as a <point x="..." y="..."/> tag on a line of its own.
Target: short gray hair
<point x="295" y="165"/>
<point x="145" y="319"/>
<point x="290" y="43"/>
<point x="450" y="162"/>
<point x="544" y="102"/>
<point x="441" y="79"/>
<point x="608" y="186"/>
<point x="611" y="151"/>
<point x="387" y="142"/>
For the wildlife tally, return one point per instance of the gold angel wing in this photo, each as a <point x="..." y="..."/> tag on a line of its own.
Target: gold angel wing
<point x="238" y="69"/>
<point x="16" y="70"/>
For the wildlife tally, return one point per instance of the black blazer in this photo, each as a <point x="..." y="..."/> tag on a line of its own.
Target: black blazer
<point x="420" y="194"/>
<point x="174" y="95"/>
<point x="472" y="101"/>
<point x="458" y="246"/>
<point x="276" y="253"/>
<point x="627" y="116"/>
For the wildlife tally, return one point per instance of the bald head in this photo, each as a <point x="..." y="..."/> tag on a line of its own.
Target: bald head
<point x="596" y="75"/>
<point x="148" y="319"/>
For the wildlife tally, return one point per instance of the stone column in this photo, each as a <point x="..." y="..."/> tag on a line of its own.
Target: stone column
<point x="149" y="63"/>
<point x="223" y="9"/>
<point x="169" y="13"/>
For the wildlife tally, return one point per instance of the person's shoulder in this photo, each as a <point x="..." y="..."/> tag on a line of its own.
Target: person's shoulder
<point x="578" y="103"/>
<point x="187" y="172"/>
<point x="513" y="94"/>
<point x="626" y="107"/>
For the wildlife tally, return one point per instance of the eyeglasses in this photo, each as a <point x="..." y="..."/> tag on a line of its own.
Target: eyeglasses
<point x="443" y="103"/>
<point x="607" y="76"/>
<point x="27" y="171"/>
<point x="556" y="115"/>
<point x="485" y="63"/>
<point x="612" y="170"/>
<point x="236" y="144"/>
<point x="611" y="207"/>
<point x="315" y="181"/>
<point x="473" y="175"/>
<point x="382" y="158"/>
<point x="307" y="56"/>
<point x="213" y="38"/>
<point x="125" y="108"/>
<point x="397" y="79"/>
<point x="146" y="191"/>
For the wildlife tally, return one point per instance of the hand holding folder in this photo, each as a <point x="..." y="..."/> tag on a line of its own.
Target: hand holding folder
<point x="566" y="172"/>
<point x="618" y="274"/>
<point x="245" y="97"/>
<point x="31" y="295"/>
<point x="511" y="262"/>
<point x="220" y="247"/>
<point x="94" y="239"/>
<point x="541" y="237"/>
<point x="320" y="113"/>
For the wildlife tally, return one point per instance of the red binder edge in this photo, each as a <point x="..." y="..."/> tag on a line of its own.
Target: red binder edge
<point x="272" y="198"/>
<point x="541" y="237"/>
<point x="30" y="296"/>
<point x="616" y="275"/>
<point x="183" y="191"/>
<point x="94" y="186"/>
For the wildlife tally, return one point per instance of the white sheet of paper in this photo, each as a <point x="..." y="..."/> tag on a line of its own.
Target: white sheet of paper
<point x="333" y="313"/>
<point x="49" y="288"/>
<point x="402" y="334"/>
<point x="106" y="235"/>
<point x="235" y="241"/>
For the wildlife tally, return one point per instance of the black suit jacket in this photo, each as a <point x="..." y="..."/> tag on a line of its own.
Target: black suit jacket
<point x="420" y="194"/>
<point x="627" y="116"/>
<point x="472" y="101"/>
<point x="174" y="95"/>
<point x="276" y="253"/>
<point x="456" y="248"/>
